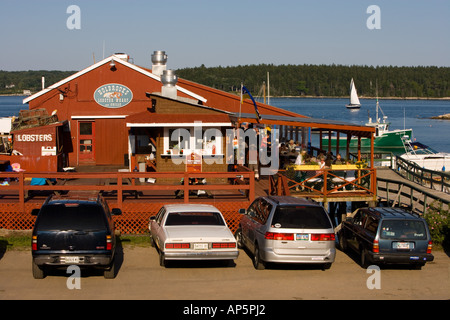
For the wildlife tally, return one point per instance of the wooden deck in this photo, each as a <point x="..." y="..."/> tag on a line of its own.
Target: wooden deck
<point x="130" y="192"/>
<point x="140" y="200"/>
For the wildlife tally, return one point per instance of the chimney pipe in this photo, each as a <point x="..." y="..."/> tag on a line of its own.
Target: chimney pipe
<point x="169" y="80"/>
<point x="159" y="60"/>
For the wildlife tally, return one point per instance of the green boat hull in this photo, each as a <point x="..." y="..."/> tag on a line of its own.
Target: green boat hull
<point x="387" y="140"/>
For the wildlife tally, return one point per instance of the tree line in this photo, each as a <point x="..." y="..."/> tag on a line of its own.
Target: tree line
<point x="14" y="82"/>
<point x="326" y="80"/>
<point x="285" y="80"/>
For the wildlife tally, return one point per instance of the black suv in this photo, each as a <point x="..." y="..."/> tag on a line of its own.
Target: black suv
<point x="387" y="236"/>
<point x="75" y="229"/>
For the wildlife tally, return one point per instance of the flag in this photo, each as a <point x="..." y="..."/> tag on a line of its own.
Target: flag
<point x="245" y="94"/>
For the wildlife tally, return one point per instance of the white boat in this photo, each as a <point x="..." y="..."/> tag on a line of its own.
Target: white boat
<point x="426" y="157"/>
<point x="354" y="100"/>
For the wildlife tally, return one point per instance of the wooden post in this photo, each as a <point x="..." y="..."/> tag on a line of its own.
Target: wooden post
<point x="119" y="191"/>
<point x="320" y="139"/>
<point x="186" y="187"/>
<point x="329" y="140"/>
<point x="372" y="151"/>
<point x="21" y="193"/>
<point x="337" y="142"/>
<point x="359" y="148"/>
<point x="251" y="192"/>
<point x="349" y="137"/>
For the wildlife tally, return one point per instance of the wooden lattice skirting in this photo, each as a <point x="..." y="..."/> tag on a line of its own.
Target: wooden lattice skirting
<point x="134" y="218"/>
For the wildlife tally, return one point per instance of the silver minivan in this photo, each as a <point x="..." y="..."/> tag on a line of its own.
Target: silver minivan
<point x="286" y="230"/>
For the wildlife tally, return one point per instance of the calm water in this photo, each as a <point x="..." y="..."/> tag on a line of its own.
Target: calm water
<point x="413" y="114"/>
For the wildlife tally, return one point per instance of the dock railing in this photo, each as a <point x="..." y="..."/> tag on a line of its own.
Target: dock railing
<point x="436" y="180"/>
<point x="16" y="186"/>
<point x="397" y="193"/>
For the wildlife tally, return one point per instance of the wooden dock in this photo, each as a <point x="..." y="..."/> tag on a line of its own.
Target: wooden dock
<point x="395" y="190"/>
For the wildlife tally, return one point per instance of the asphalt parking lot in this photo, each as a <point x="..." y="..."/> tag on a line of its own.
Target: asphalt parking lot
<point x="141" y="277"/>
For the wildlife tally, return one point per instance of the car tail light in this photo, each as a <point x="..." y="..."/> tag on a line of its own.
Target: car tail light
<point x="109" y="242"/>
<point x="34" y="243"/>
<point x="177" y="245"/>
<point x="375" y="246"/>
<point x="323" y="237"/>
<point x="430" y="246"/>
<point x="223" y="245"/>
<point x="279" y="236"/>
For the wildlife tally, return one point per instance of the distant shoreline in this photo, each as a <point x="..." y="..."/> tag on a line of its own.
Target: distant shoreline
<point x="303" y="97"/>
<point x="364" y="97"/>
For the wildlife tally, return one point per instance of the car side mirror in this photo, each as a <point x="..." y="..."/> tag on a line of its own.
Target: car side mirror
<point x="242" y="211"/>
<point x="152" y="218"/>
<point x="116" y="212"/>
<point x="35" y="212"/>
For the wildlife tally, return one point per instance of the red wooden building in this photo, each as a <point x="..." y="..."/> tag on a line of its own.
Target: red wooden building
<point x="105" y="102"/>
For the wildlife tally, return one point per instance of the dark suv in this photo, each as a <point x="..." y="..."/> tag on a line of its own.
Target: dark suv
<point x="75" y="229"/>
<point x="387" y="236"/>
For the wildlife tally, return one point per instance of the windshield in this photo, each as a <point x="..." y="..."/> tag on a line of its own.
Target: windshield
<point x="71" y="217"/>
<point x="308" y="217"/>
<point x="403" y="229"/>
<point x="195" y="218"/>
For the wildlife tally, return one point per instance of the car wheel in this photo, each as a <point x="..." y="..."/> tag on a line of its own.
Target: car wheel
<point x="342" y="242"/>
<point x="238" y="236"/>
<point x="38" y="271"/>
<point x="110" y="273"/>
<point x="162" y="260"/>
<point x="258" y="263"/>
<point x="326" y="266"/>
<point x="152" y="242"/>
<point x="363" y="258"/>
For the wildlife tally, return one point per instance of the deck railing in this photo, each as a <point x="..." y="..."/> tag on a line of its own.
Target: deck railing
<point x="16" y="186"/>
<point x="326" y="183"/>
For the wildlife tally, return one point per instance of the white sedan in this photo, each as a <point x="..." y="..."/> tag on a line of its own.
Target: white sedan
<point x="191" y="232"/>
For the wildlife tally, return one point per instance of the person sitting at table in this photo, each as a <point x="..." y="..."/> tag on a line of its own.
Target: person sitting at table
<point x="340" y="174"/>
<point x="291" y="146"/>
<point x="329" y="159"/>
<point x="338" y="159"/>
<point x="300" y="175"/>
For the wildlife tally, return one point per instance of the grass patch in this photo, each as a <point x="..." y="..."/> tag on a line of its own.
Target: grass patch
<point x="134" y="240"/>
<point x="15" y="243"/>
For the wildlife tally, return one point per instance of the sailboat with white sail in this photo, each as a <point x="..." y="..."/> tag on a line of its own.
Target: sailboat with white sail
<point x="354" y="100"/>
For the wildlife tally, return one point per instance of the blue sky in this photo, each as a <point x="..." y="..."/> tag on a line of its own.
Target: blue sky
<point x="35" y="36"/>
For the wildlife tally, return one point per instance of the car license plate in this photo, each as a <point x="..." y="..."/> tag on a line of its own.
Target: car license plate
<point x="70" y="259"/>
<point x="302" y="237"/>
<point x="200" y="246"/>
<point x="403" y="245"/>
